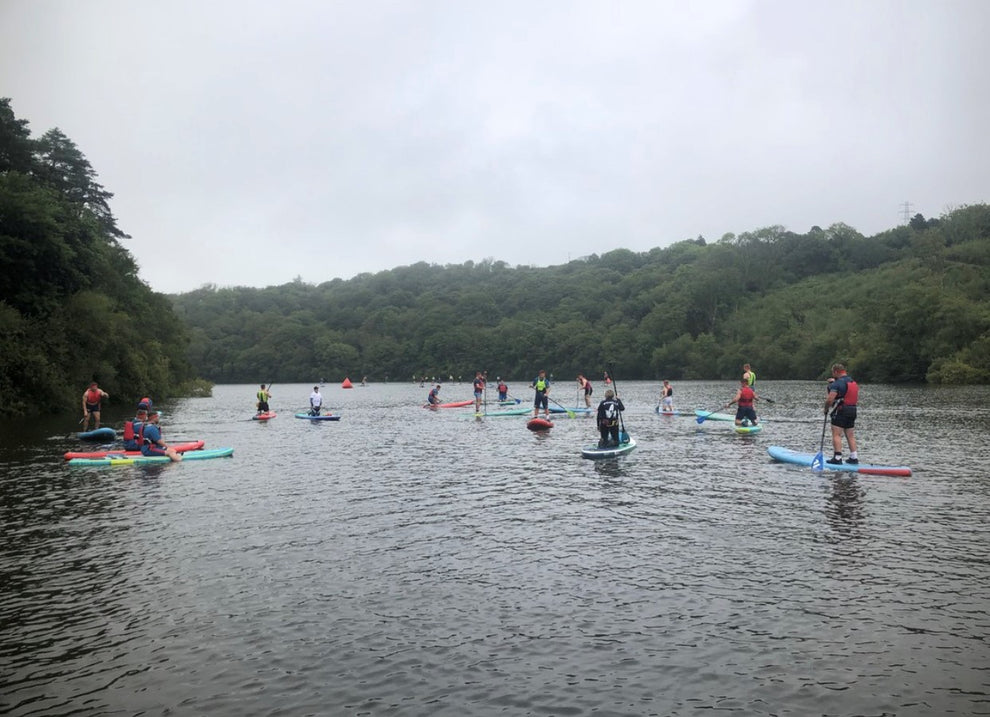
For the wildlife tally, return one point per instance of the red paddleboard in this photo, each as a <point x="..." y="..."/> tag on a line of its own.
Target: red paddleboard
<point x="265" y="416"/>
<point x="454" y="404"/>
<point x="179" y="448"/>
<point x="539" y="424"/>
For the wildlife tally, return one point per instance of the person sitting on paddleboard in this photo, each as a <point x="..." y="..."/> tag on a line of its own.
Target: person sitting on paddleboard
<point x="315" y="402"/>
<point x="263" y="395"/>
<point x="152" y="442"/>
<point x="503" y="390"/>
<point x="434" y="398"/>
<point x="744" y="398"/>
<point x="666" y="397"/>
<point x="585" y="385"/>
<point x="608" y="419"/>
<point x="541" y="384"/>
<point x="132" y="430"/>
<point x="843" y="395"/>
<point x="91" y="399"/>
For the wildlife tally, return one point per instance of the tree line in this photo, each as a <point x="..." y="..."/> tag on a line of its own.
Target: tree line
<point x="72" y="307"/>
<point x="907" y="305"/>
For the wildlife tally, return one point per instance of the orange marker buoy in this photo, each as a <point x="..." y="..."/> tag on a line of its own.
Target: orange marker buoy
<point x="346" y="383"/>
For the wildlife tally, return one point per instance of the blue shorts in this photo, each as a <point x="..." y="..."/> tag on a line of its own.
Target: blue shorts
<point x="844" y="417"/>
<point x="744" y="412"/>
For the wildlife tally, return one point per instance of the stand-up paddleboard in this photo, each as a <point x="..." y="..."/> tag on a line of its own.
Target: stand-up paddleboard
<point x="509" y="412"/>
<point x="663" y="412"/>
<point x="539" y="424"/>
<point x="455" y="404"/>
<point x="561" y="409"/>
<point x="747" y="429"/>
<point x="179" y="448"/>
<point x="141" y="460"/>
<point x="594" y="452"/>
<point x="103" y="433"/>
<point x="785" y="455"/>
<point x="319" y="417"/>
<point x="712" y="416"/>
<point x="267" y="416"/>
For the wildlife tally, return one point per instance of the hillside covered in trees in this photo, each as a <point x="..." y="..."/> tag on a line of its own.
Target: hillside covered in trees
<point x="910" y="304"/>
<point x="72" y="307"/>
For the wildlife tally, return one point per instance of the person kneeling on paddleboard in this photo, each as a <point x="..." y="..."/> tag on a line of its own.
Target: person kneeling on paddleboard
<point x="608" y="419"/>
<point x="745" y="397"/>
<point x="434" y="398"/>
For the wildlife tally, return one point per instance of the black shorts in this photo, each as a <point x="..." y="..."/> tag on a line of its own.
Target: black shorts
<point x="844" y="417"/>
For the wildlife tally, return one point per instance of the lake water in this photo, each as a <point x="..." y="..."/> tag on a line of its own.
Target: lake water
<point x="412" y="562"/>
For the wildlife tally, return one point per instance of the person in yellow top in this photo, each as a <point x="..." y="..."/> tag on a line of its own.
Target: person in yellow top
<point x="263" y="395"/>
<point x="749" y="375"/>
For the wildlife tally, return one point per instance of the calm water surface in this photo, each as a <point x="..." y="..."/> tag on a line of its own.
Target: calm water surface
<point x="412" y="562"/>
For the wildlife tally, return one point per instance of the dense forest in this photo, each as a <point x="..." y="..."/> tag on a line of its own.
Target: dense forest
<point x="72" y="308"/>
<point x="911" y="304"/>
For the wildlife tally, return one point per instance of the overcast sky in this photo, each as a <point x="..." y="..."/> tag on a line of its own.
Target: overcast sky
<point x="249" y="143"/>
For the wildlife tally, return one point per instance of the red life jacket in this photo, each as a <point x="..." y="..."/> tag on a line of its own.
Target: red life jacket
<point x="93" y="396"/>
<point x="746" y="396"/>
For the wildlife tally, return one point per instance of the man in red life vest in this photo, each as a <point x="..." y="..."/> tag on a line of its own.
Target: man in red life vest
<point x="744" y="399"/>
<point x="843" y="395"/>
<point x="91" y="399"/>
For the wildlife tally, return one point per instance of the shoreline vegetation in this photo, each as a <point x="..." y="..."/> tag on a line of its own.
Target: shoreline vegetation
<point x="908" y="305"/>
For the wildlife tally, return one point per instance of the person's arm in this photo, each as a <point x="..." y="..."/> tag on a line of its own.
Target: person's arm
<point x="830" y="399"/>
<point x="738" y="393"/>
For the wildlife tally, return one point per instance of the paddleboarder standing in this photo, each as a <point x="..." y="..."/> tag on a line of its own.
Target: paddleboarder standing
<point x="91" y="399"/>
<point x="666" y="397"/>
<point x="479" y="390"/>
<point x="608" y="419"/>
<point x="843" y="395"/>
<point x="749" y="375"/>
<point x="585" y="385"/>
<point x="263" y="395"/>
<point x="315" y="402"/>
<point x="541" y="384"/>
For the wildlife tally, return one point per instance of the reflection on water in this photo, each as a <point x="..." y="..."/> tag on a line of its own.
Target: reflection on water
<point x="412" y="562"/>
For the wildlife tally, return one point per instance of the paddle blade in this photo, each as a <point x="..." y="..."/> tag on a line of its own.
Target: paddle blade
<point x="701" y="419"/>
<point x="818" y="463"/>
<point x="623" y="437"/>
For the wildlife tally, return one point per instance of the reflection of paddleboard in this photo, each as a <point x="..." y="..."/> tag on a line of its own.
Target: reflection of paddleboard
<point x="748" y="429"/>
<point x="539" y="424"/>
<point x="785" y="455"/>
<point x="264" y="416"/>
<point x="594" y="452"/>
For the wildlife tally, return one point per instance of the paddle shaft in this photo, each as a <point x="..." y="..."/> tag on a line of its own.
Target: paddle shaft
<point x="615" y="388"/>
<point x="569" y="412"/>
<point x="818" y="460"/>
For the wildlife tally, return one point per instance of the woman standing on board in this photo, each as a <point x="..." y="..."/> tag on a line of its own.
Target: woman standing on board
<point x="843" y="395"/>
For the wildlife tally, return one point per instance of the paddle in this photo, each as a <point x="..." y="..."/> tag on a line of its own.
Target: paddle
<point x="701" y="419"/>
<point x="569" y="412"/>
<point x="623" y="436"/>
<point x="818" y="462"/>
